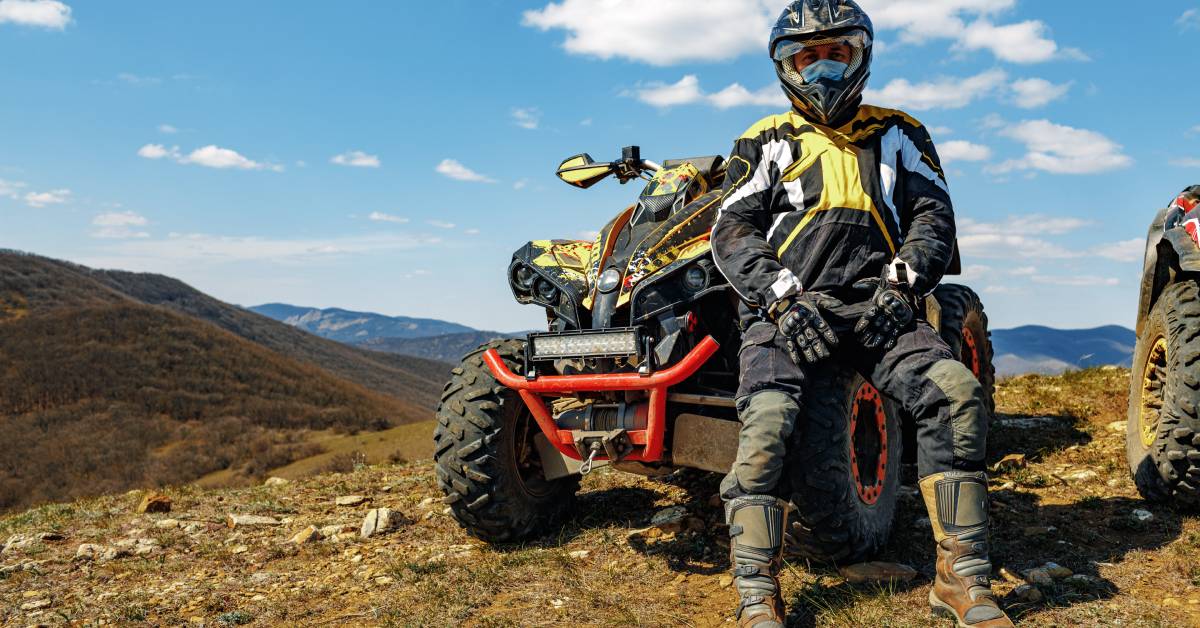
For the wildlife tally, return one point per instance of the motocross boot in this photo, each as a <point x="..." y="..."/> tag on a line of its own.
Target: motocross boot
<point x="756" y="525"/>
<point x="958" y="508"/>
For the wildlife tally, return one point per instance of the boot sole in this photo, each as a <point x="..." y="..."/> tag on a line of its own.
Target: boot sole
<point x="941" y="609"/>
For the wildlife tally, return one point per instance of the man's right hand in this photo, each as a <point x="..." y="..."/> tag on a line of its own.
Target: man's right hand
<point x="809" y="338"/>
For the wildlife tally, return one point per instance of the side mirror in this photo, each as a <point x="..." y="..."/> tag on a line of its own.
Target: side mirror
<point x="583" y="172"/>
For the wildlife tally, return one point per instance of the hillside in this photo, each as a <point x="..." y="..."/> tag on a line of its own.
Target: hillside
<point x="1072" y="504"/>
<point x="356" y="327"/>
<point x="1035" y="349"/>
<point x="30" y="283"/>
<point x="448" y="348"/>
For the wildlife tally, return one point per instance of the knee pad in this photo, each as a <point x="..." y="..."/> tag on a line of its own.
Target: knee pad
<point x="968" y="417"/>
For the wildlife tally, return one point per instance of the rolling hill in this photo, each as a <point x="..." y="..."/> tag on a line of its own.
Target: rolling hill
<point x="356" y="327"/>
<point x="114" y="379"/>
<point x="1035" y="349"/>
<point x="447" y="348"/>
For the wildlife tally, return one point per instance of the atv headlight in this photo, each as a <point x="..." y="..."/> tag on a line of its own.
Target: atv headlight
<point x="609" y="280"/>
<point x="589" y="344"/>
<point x="546" y="291"/>
<point x="695" y="278"/>
<point x="524" y="278"/>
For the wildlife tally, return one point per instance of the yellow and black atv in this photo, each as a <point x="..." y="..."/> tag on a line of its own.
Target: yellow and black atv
<point x="638" y="369"/>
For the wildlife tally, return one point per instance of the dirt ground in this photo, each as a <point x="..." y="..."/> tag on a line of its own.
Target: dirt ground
<point x="1072" y="504"/>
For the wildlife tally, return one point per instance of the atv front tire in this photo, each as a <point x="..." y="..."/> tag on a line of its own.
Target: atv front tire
<point x="1162" y="438"/>
<point x="843" y="470"/>
<point x="964" y="327"/>
<point x="486" y="462"/>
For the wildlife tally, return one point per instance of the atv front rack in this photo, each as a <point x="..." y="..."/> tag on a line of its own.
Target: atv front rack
<point x="650" y="440"/>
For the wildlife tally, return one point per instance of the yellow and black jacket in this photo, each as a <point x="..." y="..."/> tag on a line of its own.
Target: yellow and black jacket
<point x="819" y="208"/>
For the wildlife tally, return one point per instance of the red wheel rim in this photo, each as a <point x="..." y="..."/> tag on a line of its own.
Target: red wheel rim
<point x="869" y="444"/>
<point x="970" y="352"/>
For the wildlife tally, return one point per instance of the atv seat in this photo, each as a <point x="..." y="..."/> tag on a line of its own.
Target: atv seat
<point x="712" y="168"/>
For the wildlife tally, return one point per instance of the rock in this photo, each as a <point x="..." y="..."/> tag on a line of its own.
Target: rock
<point x="670" y="520"/>
<point x="1028" y="594"/>
<point x="1029" y="423"/>
<point x="239" y="549"/>
<point x="379" y="521"/>
<point x="1083" y="581"/>
<point x="50" y="537"/>
<point x="351" y="500"/>
<point x="1011" y="462"/>
<point x="1039" y="576"/>
<point x="154" y="502"/>
<point x="384" y="580"/>
<point x="580" y="554"/>
<point x="1118" y="426"/>
<point x="1057" y="571"/>
<point x="36" y="605"/>
<point x="1085" y="475"/>
<point x="276" y="481"/>
<point x="246" y="521"/>
<point x="725" y="581"/>
<point x="194" y="527"/>
<point x="877" y="572"/>
<point x="1142" y="516"/>
<point x="16" y="542"/>
<point x="1010" y="576"/>
<point x="88" y="551"/>
<point x="308" y="535"/>
<point x="166" y="524"/>
<point x="330" y="532"/>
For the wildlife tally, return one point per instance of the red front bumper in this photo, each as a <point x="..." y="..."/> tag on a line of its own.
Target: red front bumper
<point x="650" y="440"/>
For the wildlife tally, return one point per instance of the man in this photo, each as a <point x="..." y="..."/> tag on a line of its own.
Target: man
<point x="836" y="222"/>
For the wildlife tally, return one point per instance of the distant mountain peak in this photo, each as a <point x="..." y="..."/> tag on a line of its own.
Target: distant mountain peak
<point x="356" y="327"/>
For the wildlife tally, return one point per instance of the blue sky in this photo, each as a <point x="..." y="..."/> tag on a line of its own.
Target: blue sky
<point x="390" y="156"/>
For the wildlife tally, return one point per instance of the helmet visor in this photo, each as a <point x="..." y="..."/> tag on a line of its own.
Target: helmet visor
<point x="858" y="41"/>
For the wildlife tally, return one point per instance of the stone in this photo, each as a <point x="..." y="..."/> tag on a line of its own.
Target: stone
<point x="1118" y="426"/>
<point x="1028" y="594"/>
<point x="247" y="521"/>
<point x="877" y="572"/>
<point x="1039" y="577"/>
<point x="308" y="535"/>
<point x="379" y="521"/>
<point x="239" y="549"/>
<point x="384" y="580"/>
<point x="1011" y="462"/>
<point x="351" y="500"/>
<point x="1142" y="516"/>
<point x="1083" y="581"/>
<point x="330" y="532"/>
<point x="1085" y="475"/>
<point x="670" y="520"/>
<point x="50" y="537"/>
<point x="1057" y="571"/>
<point x="154" y="502"/>
<point x="15" y="543"/>
<point x="166" y="524"/>
<point x="725" y="581"/>
<point x="35" y="605"/>
<point x="580" y="554"/>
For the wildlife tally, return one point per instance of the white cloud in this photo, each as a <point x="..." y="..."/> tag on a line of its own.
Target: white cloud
<point x="10" y="189"/>
<point x="44" y="13"/>
<point x="356" y="159"/>
<point x="1189" y="20"/>
<point x="455" y="170"/>
<point x="210" y="156"/>
<point x="472" y="232"/>
<point x="382" y="217"/>
<point x="1060" y="149"/>
<point x="959" y="150"/>
<point x="940" y="130"/>
<point x="1186" y="162"/>
<point x="167" y="129"/>
<point x="687" y="91"/>
<point x="440" y="224"/>
<point x="1075" y="281"/>
<point x="133" y="79"/>
<point x="1133" y="250"/>
<point x="1023" y="42"/>
<point x="664" y="32"/>
<point x="42" y="199"/>
<point x="1011" y="246"/>
<point x="520" y="185"/>
<point x="119" y="226"/>
<point x="210" y="249"/>
<point x="1032" y="224"/>
<point x="1035" y="92"/>
<point x="527" y="118"/>
<point x="944" y="93"/>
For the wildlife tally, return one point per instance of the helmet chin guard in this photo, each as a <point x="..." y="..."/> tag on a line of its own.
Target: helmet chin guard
<point x="810" y="23"/>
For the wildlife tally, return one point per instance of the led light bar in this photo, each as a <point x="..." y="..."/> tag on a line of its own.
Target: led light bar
<point x="609" y="343"/>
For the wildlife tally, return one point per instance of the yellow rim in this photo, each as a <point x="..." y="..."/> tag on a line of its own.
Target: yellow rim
<point x="1153" y="379"/>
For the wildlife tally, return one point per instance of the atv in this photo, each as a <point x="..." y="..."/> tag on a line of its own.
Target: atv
<point x="1162" y="436"/>
<point x="638" y="369"/>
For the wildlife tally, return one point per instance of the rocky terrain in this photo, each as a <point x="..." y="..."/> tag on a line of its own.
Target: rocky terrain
<point x="1074" y="545"/>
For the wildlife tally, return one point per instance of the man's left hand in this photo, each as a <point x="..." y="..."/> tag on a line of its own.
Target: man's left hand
<point x="892" y="310"/>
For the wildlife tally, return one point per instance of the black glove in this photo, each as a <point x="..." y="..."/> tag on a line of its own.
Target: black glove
<point x="891" y="313"/>
<point x="809" y="338"/>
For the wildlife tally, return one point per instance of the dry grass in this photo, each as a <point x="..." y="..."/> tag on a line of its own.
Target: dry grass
<point x="429" y="573"/>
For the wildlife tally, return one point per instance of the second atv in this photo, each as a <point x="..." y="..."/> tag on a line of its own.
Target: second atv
<point x="638" y="368"/>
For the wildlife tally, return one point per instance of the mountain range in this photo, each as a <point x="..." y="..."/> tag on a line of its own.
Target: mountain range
<point x="356" y="327"/>
<point x="1035" y="349"/>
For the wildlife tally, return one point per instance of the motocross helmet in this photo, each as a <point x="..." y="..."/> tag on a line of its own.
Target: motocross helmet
<point x="826" y="90"/>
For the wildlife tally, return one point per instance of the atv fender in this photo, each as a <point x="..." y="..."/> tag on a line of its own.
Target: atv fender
<point x="1168" y="252"/>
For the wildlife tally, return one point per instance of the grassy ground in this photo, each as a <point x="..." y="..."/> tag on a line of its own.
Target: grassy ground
<point x="429" y="573"/>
